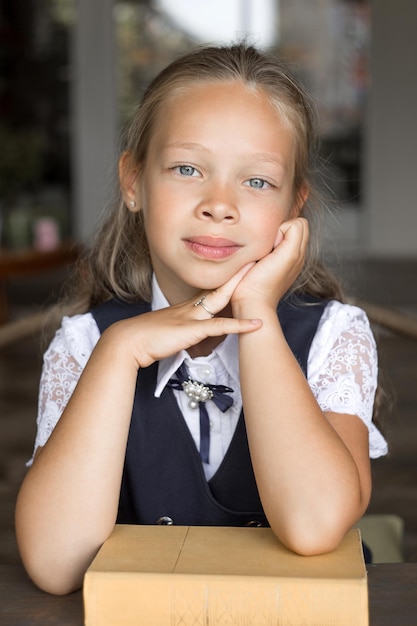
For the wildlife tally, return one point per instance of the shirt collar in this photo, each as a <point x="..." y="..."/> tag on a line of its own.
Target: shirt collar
<point x="226" y="351"/>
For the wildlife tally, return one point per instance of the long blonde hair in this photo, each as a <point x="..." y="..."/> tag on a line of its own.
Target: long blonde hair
<point x="118" y="263"/>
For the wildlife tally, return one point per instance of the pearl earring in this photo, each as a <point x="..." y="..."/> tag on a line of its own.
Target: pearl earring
<point x="132" y="204"/>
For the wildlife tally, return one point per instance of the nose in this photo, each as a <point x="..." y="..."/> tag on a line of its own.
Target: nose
<point x="219" y="203"/>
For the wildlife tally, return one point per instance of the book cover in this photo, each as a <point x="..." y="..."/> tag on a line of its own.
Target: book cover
<point x="211" y="576"/>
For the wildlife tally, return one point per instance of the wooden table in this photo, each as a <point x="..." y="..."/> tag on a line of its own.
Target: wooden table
<point x="392" y="599"/>
<point x="26" y="263"/>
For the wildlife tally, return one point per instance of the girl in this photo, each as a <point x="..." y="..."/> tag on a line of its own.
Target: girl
<point x="177" y="329"/>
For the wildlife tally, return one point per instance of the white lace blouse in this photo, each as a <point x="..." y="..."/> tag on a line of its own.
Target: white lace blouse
<point x="342" y="373"/>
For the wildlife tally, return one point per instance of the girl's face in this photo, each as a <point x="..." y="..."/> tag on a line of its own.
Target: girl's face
<point x="215" y="187"/>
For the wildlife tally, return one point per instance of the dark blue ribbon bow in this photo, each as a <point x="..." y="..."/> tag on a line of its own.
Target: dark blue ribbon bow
<point x="199" y="394"/>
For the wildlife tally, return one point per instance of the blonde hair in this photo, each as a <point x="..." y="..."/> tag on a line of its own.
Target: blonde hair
<point x="118" y="263"/>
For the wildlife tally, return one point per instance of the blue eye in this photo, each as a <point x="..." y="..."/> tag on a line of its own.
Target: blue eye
<point x="257" y="183"/>
<point x="186" y="170"/>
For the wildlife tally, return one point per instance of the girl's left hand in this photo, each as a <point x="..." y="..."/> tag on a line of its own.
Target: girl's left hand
<point x="271" y="277"/>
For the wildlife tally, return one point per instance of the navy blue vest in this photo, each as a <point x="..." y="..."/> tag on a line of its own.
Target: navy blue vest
<point x="163" y="475"/>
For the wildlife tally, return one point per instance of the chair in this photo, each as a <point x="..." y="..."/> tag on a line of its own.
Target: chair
<point x="384" y="535"/>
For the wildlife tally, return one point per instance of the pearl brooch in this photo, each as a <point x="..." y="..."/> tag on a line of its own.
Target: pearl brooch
<point x="196" y="392"/>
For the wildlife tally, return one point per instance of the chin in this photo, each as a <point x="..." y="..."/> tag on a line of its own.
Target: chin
<point x="210" y="283"/>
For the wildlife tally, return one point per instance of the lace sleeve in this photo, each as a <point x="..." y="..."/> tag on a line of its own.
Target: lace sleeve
<point x="343" y="367"/>
<point x="63" y="364"/>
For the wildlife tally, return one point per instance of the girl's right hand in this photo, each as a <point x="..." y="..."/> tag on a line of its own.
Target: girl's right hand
<point x="159" y="334"/>
<point x="274" y="274"/>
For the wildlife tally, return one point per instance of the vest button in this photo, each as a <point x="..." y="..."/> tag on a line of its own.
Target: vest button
<point x="254" y="524"/>
<point x="164" y="521"/>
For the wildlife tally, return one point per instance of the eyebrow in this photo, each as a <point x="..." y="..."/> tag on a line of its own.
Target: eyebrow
<point x="269" y="158"/>
<point x="186" y="145"/>
<point x="258" y="156"/>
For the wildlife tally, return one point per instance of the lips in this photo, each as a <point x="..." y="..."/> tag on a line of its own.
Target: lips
<point x="212" y="247"/>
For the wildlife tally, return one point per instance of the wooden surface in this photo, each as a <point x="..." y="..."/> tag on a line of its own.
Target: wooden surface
<point x="392" y="599"/>
<point x="392" y="594"/>
<point x="15" y="264"/>
<point x="22" y="604"/>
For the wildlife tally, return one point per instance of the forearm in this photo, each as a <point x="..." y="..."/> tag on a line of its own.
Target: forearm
<point x="68" y="502"/>
<point x="307" y="478"/>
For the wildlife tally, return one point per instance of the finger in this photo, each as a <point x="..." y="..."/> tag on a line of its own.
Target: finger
<point x="158" y="342"/>
<point x="278" y="238"/>
<point x="295" y="232"/>
<point x="293" y="226"/>
<point x="200" y="302"/>
<point x="227" y="289"/>
<point x="219" y="326"/>
<point x="305" y="234"/>
<point x="215" y="301"/>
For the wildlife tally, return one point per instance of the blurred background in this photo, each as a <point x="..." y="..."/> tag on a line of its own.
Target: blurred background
<point x="71" y="73"/>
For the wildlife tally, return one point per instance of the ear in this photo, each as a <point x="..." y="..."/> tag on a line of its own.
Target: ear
<point x="300" y="199"/>
<point x="128" y="177"/>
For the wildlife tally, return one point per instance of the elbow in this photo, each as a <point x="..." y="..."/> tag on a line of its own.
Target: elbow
<point x="55" y="571"/>
<point x="319" y="529"/>
<point x="314" y="544"/>
<point x="47" y="567"/>
<point x="57" y="568"/>
<point x="308" y="538"/>
<point x="55" y="587"/>
<point x="55" y="581"/>
<point x="54" y="561"/>
<point x="53" y="576"/>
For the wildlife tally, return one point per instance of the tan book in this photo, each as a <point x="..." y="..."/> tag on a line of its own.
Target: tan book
<point x="208" y="576"/>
